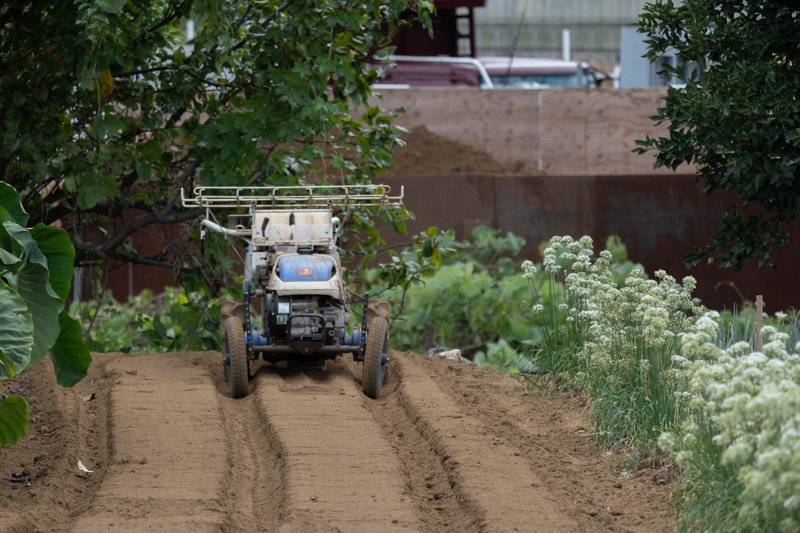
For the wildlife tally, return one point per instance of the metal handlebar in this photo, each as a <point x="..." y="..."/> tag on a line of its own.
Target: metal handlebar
<point x="216" y="228"/>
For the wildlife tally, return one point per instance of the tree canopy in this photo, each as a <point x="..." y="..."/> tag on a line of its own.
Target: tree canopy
<point x="739" y="122"/>
<point x="108" y="106"/>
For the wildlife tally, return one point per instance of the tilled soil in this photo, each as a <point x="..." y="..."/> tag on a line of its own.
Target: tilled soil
<point x="449" y="447"/>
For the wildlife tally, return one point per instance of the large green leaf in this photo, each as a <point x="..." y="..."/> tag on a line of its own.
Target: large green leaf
<point x="14" y="417"/>
<point x="10" y="205"/>
<point x="54" y="243"/>
<point x="7" y="259"/>
<point x="16" y="331"/>
<point x="32" y="284"/>
<point x="70" y="355"/>
<point x="28" y="249"/>
<point x="106" y="125"/>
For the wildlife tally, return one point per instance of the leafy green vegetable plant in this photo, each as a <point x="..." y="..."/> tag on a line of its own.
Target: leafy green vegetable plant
<point x="468" y="293"/>
<point x="175" y="320"/>
<point x="35" y="278"/>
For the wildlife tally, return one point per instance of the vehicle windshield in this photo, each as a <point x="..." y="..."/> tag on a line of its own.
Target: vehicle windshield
<point x="543" y="81"/>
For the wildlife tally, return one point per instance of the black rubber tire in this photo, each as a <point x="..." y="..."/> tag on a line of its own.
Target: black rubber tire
<point x="375" y="357"/>
<point x="235" y="357"/>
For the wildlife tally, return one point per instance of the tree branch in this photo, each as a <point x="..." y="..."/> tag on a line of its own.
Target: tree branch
<point x="169" y="18"/>
<point x="138" y="223"/>
<point x="146" y="261"/>
<point x="181" y="182"/>
<point x="263" y="25"/>
<point x="142" y="71"/>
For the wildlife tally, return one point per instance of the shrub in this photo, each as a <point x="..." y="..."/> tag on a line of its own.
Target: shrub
<point x="175" y="320"/>
<point x="471" y="297"/>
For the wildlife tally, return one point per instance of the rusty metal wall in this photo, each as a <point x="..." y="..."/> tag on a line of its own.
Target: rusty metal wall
<point x="659" y="219"/>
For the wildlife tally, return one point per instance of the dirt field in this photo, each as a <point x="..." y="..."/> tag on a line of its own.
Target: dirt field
<point x="448" y="447"/>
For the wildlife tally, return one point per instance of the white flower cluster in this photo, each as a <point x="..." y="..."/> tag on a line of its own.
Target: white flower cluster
<point x="701" y="342"/>
<point x="618" y="321"/>
<point x="753" y="399"/>
<point x="528" y="270"/>
<point x="567" y="254"/>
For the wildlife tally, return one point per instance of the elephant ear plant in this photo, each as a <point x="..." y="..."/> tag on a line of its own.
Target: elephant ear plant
<point x="36" y="267"/>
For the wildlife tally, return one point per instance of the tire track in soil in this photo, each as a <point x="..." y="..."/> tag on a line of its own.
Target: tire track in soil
<point x="440" y="503"/>
<point x="341" y="473"/>
<point x="252" y="492"/>
<point x="168" y="450"/>
<point x="556" y="443"/>
<point x="483" y="470"/>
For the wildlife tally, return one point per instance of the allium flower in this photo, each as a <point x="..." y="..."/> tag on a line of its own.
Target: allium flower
<point x="753" y="399"/>
<point x="528" y="270"/>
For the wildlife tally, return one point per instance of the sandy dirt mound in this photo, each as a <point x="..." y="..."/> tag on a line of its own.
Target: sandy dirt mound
<point x="448" y="447"/>
<point x="428" y="154"/>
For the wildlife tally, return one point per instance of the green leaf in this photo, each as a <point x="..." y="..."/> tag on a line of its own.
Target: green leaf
<point x="151" y="150"/>
<point x="31" y="284"/>
<point x="9" y="260"/>
<point x="54" y="243"/>
<point x="427" y="248"/>
<point x="14" y="417"/>
<point x="7" y="366"/>
<point x="70" y="355"/>
<point x="29" y="250"/>
<point x="111" y="6"/>
<point x="16" y="331"/>
<point x="10" y="205"/>
<point x="95" y="187"/>
<point x="106" y="125"/>
<point x="399" y="227"/>
<point x="159" y="327"/>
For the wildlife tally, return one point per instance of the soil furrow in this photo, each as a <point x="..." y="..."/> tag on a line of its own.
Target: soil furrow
<point x="168" y="449"/>
<point x="70" y="426"/>
<point x="341" y="474"/>
<point x="558" y="443"/>
<point x="253" y="487"/>
<point x="448" y="447"/>
<point x="428" y="482"/>
<point x="486" y="470"/>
